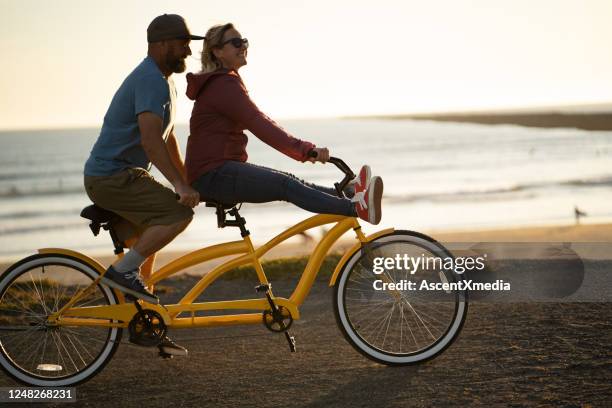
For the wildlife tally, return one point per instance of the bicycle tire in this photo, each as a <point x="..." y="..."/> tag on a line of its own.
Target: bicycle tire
<point x="355" y="332"/>
<point x="29" y="290"/>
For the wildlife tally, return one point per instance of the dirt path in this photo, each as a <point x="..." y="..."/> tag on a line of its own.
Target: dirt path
<point x="522" y="354"/>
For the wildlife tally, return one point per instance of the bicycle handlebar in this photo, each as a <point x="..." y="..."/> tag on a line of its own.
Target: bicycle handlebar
<point x="343" y="167"/>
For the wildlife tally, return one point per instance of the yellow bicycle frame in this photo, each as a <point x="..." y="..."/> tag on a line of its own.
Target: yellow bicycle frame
<point x="120" y="315"/>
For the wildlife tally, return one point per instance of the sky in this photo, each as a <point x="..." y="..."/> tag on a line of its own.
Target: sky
<point x="62" y="61"/>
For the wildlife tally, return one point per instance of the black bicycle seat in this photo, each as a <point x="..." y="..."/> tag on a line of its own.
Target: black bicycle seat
<point x="97" y="214"/>
<point x="216" y="204"/>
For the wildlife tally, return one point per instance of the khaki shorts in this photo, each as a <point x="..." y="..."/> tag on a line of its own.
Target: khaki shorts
<point x="136" y="196"/>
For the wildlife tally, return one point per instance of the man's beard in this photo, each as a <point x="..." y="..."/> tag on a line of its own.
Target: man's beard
<point x="176" y="65"/>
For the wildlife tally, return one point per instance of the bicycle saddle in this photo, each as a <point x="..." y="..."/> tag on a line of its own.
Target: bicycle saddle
<point x="97" y="214"/>
<point x="216" y="204"/>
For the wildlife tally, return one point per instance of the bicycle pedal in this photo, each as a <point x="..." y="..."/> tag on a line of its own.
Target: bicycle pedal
<point x="264" y="287"/>
<point x="291" y="341"/>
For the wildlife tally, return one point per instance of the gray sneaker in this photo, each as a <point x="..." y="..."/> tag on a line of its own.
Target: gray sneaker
<point x="169" y="347"/>
<point x="129" y="283"/>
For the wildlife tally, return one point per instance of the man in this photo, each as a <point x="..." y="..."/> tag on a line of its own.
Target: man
<point x="138" y="130"/>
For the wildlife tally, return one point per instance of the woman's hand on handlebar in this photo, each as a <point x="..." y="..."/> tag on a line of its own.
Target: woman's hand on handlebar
<point x="318" y="154"/>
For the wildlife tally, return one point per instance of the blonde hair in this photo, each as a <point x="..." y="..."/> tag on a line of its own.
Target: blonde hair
<point x="213" y="38"/>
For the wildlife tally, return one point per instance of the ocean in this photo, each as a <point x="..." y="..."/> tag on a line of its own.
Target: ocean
<point x="438" y="176"/>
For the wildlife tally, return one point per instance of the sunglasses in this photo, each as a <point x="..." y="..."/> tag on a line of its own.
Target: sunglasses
<point x="236" y="42"/>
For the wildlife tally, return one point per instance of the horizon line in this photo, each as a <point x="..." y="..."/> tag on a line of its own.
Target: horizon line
<point x="525" y="109"/>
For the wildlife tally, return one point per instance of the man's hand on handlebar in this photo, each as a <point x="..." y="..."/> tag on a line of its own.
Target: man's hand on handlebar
<point x="187" y="195"/>
<point x="318" y="154"/>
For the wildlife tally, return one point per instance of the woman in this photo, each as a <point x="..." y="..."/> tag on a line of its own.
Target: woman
<point x="216" y="150"/>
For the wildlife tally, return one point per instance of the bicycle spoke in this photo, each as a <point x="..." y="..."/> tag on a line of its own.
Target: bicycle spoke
<point x="377" y="322"/>
<point x="367" y="309"/>
<point x="95" y="299"/>
<point x="80" y="344"/>
<point x="84" y="335"/>
<point x="60" y="296"/>
<point x="21" y="312"/>
<point x="24" y="305"/>
<point x="42" y="356"/>
<point x="409" y="326"/>
<point x="38" y="294"/>
<point x="59" y="353"/>
<point x="33" y="354"/>
<point x="421" y="320"/>
<point x="74" y="347"/>
<point x="27" y="332"/>
<point x="388" y="324"/>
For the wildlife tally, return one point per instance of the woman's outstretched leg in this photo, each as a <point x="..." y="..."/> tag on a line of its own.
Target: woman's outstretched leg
<point x="244" y="182"/>
<point x="324" y="189"/>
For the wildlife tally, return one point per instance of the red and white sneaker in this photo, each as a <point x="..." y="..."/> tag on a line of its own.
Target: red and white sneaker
<point x="368" y="201"/>
<point x="362" y="180"/>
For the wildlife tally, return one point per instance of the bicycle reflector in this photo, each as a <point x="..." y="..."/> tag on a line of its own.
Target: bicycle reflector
<point x="49" y="367"/>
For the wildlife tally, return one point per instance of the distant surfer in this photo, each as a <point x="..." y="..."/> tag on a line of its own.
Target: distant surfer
<point x="578" y="213"/>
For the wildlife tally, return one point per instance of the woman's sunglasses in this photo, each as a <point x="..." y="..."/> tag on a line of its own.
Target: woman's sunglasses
<point x="236" y="42"/>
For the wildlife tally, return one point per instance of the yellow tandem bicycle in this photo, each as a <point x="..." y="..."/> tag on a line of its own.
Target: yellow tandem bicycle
<point x="59" y="325"/>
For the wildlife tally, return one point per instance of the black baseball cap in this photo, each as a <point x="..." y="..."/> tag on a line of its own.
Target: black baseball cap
<point x="169" y="27"/>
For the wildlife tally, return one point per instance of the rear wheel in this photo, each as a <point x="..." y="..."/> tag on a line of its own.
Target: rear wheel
<point x="36" y="353"/>
<point x="399" y="326"/>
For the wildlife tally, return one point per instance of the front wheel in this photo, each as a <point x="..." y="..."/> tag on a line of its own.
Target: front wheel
<point x="36" y="353"/>
<point x="394" y="324"/>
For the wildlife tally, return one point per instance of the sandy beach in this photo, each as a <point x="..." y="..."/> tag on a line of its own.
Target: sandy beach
<point x="522" y="353"/>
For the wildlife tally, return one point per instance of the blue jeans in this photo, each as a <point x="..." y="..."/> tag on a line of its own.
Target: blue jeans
<point x="237" y="182"/>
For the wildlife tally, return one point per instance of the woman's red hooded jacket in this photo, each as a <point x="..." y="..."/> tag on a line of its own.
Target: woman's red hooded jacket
<point x="221" y="112"/>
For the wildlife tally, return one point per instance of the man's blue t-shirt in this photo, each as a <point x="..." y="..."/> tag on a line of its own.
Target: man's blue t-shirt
<point x="118" y="146"/>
